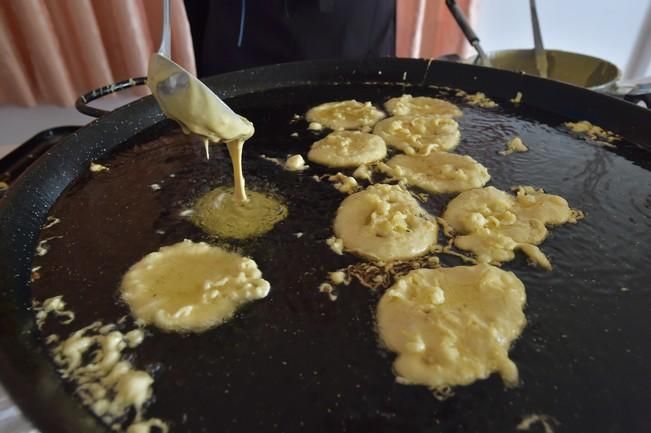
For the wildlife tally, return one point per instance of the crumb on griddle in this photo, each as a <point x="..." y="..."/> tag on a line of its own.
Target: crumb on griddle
<point x="336" y="245"/>
<point x="593" y="132"/>
<point x="35" y="274"/>
<point x="50" y="222"/>
<point x="43" y="246"/>
<point x="479" y="99"/>
<point x="548" y="423"/>
<point x="96" y="168"/>
<point x="329" y="290"/>
<point x="517" y="98"/>
<point x="52" y="306"/>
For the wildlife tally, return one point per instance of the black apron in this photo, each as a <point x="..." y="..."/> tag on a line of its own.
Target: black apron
<point x="236" y="34"/>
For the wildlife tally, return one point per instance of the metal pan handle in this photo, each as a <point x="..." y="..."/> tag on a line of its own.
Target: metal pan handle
<point x="82" y="102"/>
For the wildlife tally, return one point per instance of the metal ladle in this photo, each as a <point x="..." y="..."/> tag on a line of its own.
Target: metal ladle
<point x="467" y="31"/>
<point x="186" y="99"/>
<point x="539" y="49"/>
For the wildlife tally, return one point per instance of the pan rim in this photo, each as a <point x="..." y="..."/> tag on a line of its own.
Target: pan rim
<point x="20" y="219"/>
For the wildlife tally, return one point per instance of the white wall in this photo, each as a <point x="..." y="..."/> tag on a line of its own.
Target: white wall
<point x="602" y="28"/>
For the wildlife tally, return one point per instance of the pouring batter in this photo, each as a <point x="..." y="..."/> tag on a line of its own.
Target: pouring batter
<point x="197" y="109"/>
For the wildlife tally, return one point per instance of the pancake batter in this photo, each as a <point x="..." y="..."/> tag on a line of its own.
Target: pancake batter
<point x="52" y="306"/>
<point x="105" y="381"/>
<point x="347" y="149"/>
<point x="220" y="213"/>
<point x="593" y="132"/>
<point x="295" y="163"/>
<point x="343" y="183"/>
<point x="385" y="223"/>
<point x="478" y="99"/>
<point x="98" y="168"/>
<point x="514" y="145"/>
<point x="419" y="135"/>
<point x="438" y="172"/>
<point x="350" y="114"/>
<point x="493" y="223"/>
<point x="452" y="326"/>
<point x="407" y="105"/>
<point x="190" y="287"/>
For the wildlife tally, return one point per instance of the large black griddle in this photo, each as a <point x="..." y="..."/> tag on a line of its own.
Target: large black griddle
<point x="297" y="361"/>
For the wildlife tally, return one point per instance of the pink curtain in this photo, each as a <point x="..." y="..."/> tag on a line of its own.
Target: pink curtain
<point x="52" y="51"/>
<point x="439" y="33"/>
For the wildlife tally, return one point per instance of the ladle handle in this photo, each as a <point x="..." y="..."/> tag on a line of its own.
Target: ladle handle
<point x="165" y="48"/>
<point x="468" y="32"/>
<point x="461" y="21"/>
<point x="535" y="24"/>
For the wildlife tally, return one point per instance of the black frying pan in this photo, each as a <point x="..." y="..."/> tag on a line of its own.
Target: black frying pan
<point x="297" y="361"/>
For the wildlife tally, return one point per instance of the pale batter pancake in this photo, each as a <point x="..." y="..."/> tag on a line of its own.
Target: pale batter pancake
<point x="407" y="105"/>
<point x="97" y="168"/>
<point x="452" y="326"/>
<point x="419" y="135"/>
<point x="493" y="223"/>
<point x="438" y="172"/>
<point x="348" y="149"/>
<point x="220" y="213"/>
<point x="190" y="287"/>
<point x="350" y="114"/>
<point x="385" y="223"/>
